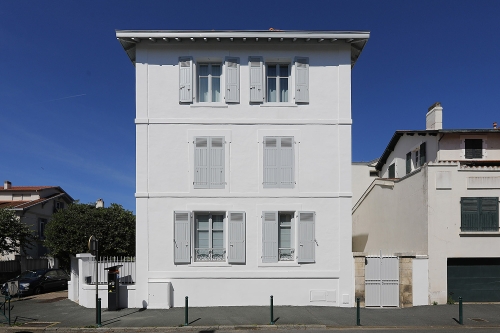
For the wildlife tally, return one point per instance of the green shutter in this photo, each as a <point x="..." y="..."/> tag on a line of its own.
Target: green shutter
<point x="488" y="218"/>
<point x="423" y="155"/>
<point x="408" y="163"/>
<point x="479" y="214"/>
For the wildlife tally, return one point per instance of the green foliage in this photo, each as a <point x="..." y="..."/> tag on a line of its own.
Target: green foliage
<point x="69" y="230"/>
<point x="14" y="234"/>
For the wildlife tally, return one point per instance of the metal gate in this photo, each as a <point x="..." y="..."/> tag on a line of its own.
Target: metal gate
<point x="382" y="281"/>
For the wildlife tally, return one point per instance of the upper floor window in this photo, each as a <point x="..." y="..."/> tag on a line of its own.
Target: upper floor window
<point x="209" y="162"/>
<point x="473" y="148"/>
<point x="277" y="82"/>
<point x="278" y="162"/>
<point x="209" y="82"/>
<point x="479" y="214"/>
<point x="392" y="171"/>
<point x="41" y="229"/>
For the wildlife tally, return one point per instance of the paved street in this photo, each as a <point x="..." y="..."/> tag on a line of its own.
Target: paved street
<point x="55" y="312"/>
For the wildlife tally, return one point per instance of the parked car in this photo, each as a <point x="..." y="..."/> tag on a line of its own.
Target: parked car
<point x="38" y="281"/>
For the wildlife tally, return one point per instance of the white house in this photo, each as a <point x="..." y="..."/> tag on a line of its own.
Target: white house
<point x="243" y="166"/>
<point x="435" y="208"/>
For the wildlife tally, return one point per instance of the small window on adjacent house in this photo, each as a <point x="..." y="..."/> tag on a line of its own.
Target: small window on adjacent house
<point x="373" y="173"/>
<point x="423" y="153"/>
<point x="392" y="171"/>
<point x="473" y="148"/>
<point x="479" y="214"/>
<point x="408" y="163"/>
<point x="277" y="82"/>
<point x="41" y="229"/>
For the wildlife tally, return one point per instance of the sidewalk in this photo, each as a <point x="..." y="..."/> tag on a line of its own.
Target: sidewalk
<point x="54" y="310"/>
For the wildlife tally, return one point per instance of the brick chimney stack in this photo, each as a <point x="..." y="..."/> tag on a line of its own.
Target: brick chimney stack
<point x="434" y="117"/>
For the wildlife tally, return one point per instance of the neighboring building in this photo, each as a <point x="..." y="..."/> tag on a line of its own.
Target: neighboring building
<point x="34" y="205"/>
<point x="243" y="166"/>
<point x="363" y="174"/>
<point x="435" y="212"/>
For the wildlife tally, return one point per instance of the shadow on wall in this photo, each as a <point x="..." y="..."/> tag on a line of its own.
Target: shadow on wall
<point x="359" y="242"/>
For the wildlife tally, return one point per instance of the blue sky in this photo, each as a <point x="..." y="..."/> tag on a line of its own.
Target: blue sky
<point x="67" y="94"/>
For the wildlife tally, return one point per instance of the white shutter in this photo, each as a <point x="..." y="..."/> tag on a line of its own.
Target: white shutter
<point x="236" y="237"/>
<point x="185" y="80"/>
<point x="182" y="236"/>
<point x="201" y="156"/>
<point x="302" y="80"/>
<point x="271" y="162"/>
<point x="232" y="80"/>
<point x="256" y="80"/>
<point x="286" y="159"/>
<point x="307" y="238"/>
<point x="269" y="237"/>
<point x="216" y="162"/>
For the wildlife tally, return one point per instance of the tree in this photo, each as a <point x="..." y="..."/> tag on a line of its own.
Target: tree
<point x="15" y="236"/>
<point x="69" y="230"/>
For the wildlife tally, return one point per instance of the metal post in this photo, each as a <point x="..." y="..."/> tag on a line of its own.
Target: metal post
<point x="358" y="319"/>
<point x="186" y="323"/>
<point x="9" y="310"/>
<point x="99" y="312"/>
<point x="272" y="312"/>
<point x="460" y="311"/>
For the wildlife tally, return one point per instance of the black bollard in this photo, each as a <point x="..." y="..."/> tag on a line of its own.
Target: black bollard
<point x="358" y="319"/>
<point x="98" y="312"/>
<point x="272" y="312"/>
<point x="186" y="323"/>
<point x="460" y="311"/>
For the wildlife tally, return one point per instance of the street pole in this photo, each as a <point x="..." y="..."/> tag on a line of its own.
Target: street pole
<point x="97" y="308"/>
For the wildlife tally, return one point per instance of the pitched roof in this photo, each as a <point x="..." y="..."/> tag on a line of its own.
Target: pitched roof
<point x="19" y="205"/>
<point x="27" y="188"/>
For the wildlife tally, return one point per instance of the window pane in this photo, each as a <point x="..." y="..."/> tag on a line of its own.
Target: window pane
<point x="203" y="89"/>
<point x="215" y="70"/>
<point x="203" y="70"/>
<point x="283" y="70"/>
<point x="284" y="90"/>
<point x="202" y="222"/>
<point x="285" y="237"/>
<point x="271" y="90"/>
<point x="202" y="239"/>
<point x="271" y="70"/>
<point x="216" y="89"/>
<point x="217" y="240"/>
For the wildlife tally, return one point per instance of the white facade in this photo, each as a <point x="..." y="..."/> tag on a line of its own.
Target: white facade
<point x="246" y="232"/>
<point x="419" y="214"/>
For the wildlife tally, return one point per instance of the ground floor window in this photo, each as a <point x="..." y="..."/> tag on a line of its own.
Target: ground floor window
<point x="209" y="237"/>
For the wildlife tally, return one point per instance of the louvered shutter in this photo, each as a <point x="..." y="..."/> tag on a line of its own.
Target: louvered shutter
<point x="232" y="80"/>
<point x="470" y="214"/>
<point x="271" y="162"/>
<point x="286" y="173"/>
<point x="256" y="80"/>
<point x="185" y="80"/>
<point x="307" y="238"/>
<point x="269" y="237"/>
<point x="216" y="162"/>
<point x="302" y="80"/>
<point x="182" y="236"/>
<point x="201" y="156"/>
<point x="488" y="218"/>
<point x="423" y="154"/>
<point x="473" y="148"/>
<point x="236" y="237"/>
<point x="408" y="163"/>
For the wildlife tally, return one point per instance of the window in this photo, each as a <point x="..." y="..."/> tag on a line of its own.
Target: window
<point x="278" y="162"/>
<point x="373" y="173"/>
<point x="41" y="229"/>
<point x="423" y="154"/>
<point x="210" y="237"/>
<point x="277" y="82"/>
<point x="473" y="148"/>
<point x="278" y="241"/>
<point x="408" y="163"/>
<point x="209" y="82"/>
<point x="209" y="162"/>
<point x="479" y="214"/>
<point x="392" y="171"/>
<point x="274" y="86"/>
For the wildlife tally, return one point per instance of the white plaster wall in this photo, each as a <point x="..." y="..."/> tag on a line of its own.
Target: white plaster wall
<point x="361" y="179"/>
<point x="445" y="240"/>
<point x="393" y="218"/>
<point x="451" y="145"/>
<point x="420" y="280"/>
<point x="321" y="129"/>
<point x="406" y="144"/>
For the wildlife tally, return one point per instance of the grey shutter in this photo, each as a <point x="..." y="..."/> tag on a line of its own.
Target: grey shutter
<point x="269" y="237"/>
<point x="423" y="154"/>
<point x="470" y="214"/>
<point x="286" y="160"/>
<point x="256" y="80"/>
<point x="182" y="236"/>
<point x="408" y="163"/>
<point x="302" y="80"/>
<point x="232" y="80"/>
<point x="488" y="218"/>
<point x="271" y="162"/>
<point x="307" y="238"/>
<point x="236" y="237"/>
<point x="216" y="162"/>
<point x="201" y="156"/>
<point x="185" y="80"/>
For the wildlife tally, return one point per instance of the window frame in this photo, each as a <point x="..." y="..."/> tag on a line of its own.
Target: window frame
<point x="209" y="162"/>
<point x="291" y="255"/>
<point x="42" y="224"/>
<point x="267" y="167"/>
<point x="278" y="78"/>
<point x="210" y="78"/>
<point x="211" y="248"/>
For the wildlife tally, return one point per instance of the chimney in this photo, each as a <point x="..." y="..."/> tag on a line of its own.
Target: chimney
<point x="99" y="203"/>
<point x="7" y="185"/>
<point x="434" y="117"/>
<point x="495" y="125"/>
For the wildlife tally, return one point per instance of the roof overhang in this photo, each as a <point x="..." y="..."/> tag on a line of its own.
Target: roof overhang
<point x="130" y="38"/>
